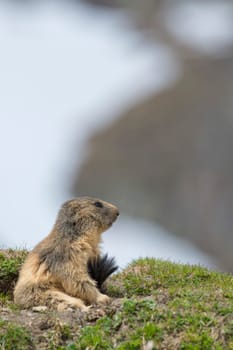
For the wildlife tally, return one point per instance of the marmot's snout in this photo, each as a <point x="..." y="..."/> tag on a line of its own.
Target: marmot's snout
<point x="114" y="217"/>
<point x="111" y="213"/>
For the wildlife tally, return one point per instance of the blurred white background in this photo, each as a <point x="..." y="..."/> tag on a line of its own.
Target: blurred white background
<point x="62" y="70"/>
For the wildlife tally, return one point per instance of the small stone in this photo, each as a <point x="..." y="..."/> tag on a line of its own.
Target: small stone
<point x="39" y="308"/>
<point x="149" y="345"/>
<point x="5" y="310"/>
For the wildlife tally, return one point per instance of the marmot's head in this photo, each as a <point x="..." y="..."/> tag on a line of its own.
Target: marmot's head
<point x="85" y="214"/>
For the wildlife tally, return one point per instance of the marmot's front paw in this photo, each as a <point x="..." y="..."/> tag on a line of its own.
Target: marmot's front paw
<point x="103" y="299"/>
<point x="69" y="307"/>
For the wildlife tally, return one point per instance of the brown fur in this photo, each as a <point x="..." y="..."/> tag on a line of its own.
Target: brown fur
<point x="55" y="272"/>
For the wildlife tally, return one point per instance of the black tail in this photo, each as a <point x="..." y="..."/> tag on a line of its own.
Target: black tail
<point x="101" y="268"/>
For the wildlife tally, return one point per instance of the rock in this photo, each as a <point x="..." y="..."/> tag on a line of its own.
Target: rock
<point x="39" y="308"/>
<point x="169" y="159"/>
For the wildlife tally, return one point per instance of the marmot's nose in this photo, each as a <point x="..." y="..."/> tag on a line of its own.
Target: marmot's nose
<point x="117" y="213"/>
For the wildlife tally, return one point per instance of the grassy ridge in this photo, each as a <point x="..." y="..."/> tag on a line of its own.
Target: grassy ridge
<point x="156" y="305"/>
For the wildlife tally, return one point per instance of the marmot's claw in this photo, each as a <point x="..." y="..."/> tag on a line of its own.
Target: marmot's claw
<point x="85" y="308"/>
<point x="69" y="307"/>
<point x="103" y="299"/>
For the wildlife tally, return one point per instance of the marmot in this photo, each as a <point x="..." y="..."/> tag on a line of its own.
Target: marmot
<point x="65" y="269"/>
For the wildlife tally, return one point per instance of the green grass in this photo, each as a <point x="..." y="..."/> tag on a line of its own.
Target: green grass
<point x="150" y="275"/>
<point x="10" y="262"/>
<point x="14" y="337"/>
<point x="173" y="306"/>
<point x="141" y="321"/>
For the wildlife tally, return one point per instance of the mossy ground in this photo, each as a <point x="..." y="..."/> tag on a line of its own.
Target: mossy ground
<point x="10" y="262"/>
<point x="156" y="305"/>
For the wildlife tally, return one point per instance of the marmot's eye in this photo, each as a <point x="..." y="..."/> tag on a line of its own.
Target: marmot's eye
<point x="98" y="204"/>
